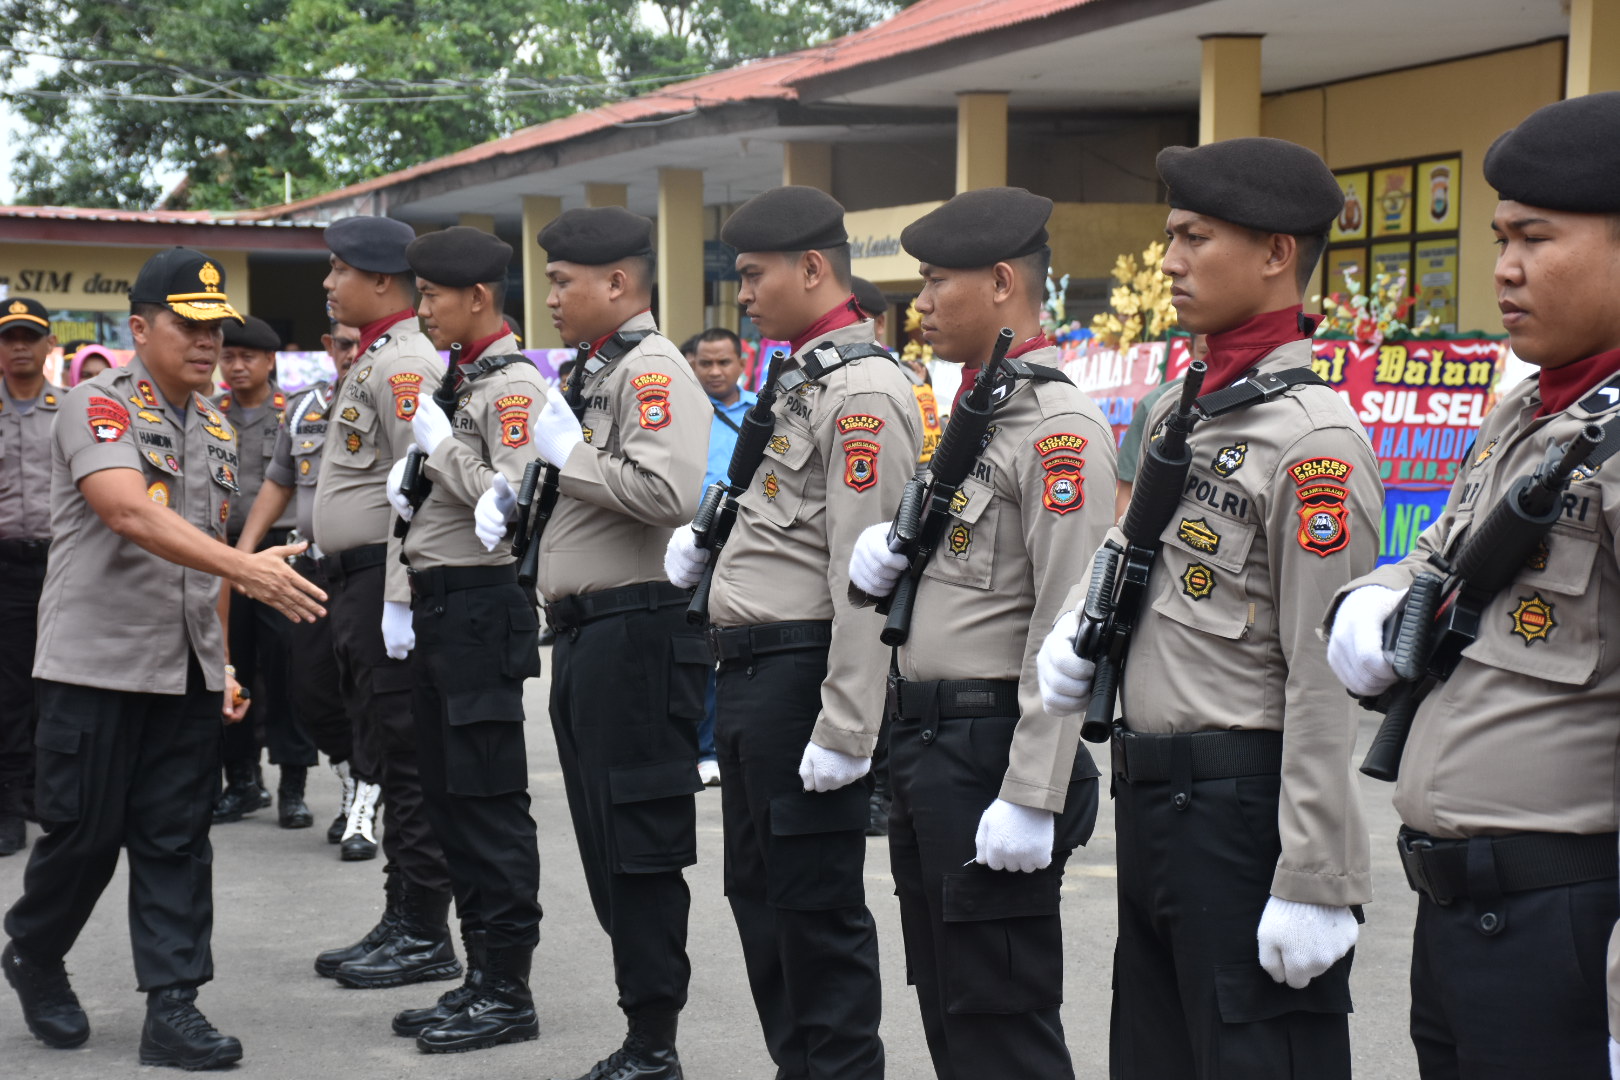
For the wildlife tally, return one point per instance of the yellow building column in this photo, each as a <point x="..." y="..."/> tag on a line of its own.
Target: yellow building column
<point x="1229" y="97"/>
<point x="1594" y="47"/>
<point x="808" y="164"/>
<point x="680" y="252"/>
<point x="538" y="212"/>
<point x="597" y="195"/>
<point x="481" y="222"/>
<point x="981" y="140"/>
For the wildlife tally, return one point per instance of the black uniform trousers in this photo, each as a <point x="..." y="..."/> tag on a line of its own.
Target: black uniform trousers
<point x="135" y="771"/>
<point x="1190" y="997"/>
<point x="627" y="692"/>
<point x="315" y="689"/>
<point x="259" y="649"/>
<point x="22" y="576"/>
<point x="984" y="948"/>
<point x="794" y="874"/>
<point x="1512" y="987"/>
<point x="377" y="690"/>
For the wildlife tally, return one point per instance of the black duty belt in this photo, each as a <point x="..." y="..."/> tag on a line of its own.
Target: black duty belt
<point x="573" y="612"/>
<point x="25" y="551"/>
<point x="947" y="699"/>
<point x="272" y="538"/>
<point x="746" y="642"/>
<point x="1504" y="864"/>
<point x="438" y="580"/>
<point x="1201" y="755"/>
<point x="344" y="563"/>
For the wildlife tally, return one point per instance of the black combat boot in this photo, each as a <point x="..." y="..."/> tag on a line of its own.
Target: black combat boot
<point x="648" y="1052"/>
<point x="327" y="963"/>
<point x="291" y="810"/>
<point x="13" y="819"/>
<point x="240" y="797"/>
<point x="412" y="1022"/>
<point x="501" y="1011"/>
<point x="340" y="824"/>
<point x="418" y="950"/>
<point x="175" y="1033"/>
<point x="258" y="783"/>
<point x="49" y="1006"/>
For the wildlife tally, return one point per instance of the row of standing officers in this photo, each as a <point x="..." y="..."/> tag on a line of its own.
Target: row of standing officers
<point x="1243" y="860"/>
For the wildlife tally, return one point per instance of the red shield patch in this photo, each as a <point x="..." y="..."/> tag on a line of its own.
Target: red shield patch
<point x="407" y="387"/>
<point x="514" y="410"/>
<point x="860" y="463"/>
<point x="1323" y="520"/>
<point x="108" y="419"/>
<point x="654" y="409"/>
<point x="1065" y="489"/>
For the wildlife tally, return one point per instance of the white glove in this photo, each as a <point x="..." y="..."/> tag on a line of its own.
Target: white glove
<point x="557" y="431"/>
<point x="396" y="477"/>
<point x="1355" y="649"/>
<point x="430" y="426"/>
<point x="1614" y="1059"/>
<point x="683" y="559"/>
<point x="822" y="769"/>
<point x="1013" y="837"/>
<point x="399" y="636"/>
<point x="1300" y="941"/>
<point x="1064" y="677"/>
<point x="493" y="511"/>
<point x="873" y="568"/>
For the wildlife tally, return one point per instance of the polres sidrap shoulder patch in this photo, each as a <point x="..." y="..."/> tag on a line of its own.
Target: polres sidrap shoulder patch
<point x="1324" y="521"/>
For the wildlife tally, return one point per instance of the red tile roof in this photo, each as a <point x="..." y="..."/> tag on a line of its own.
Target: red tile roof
<point x="143" y="217"/>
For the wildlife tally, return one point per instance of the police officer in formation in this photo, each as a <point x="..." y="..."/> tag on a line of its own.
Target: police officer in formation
<point x="991" y="791"/>
<point x="1506" y="789"/>
<point x="314" y="689"/>
<point x="371" y="286"/>
<point x="128" y="749"/>
<point x="28" y="405"/>
<point x="1234" y="804"/>
<point x="801" y="683"/>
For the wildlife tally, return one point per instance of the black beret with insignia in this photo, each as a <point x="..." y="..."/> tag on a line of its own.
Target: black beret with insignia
<point x="596" y="236"/>
<point x="1266" y="184"/>
<point x="1564" y="156"/>
<point x="185" y="281"/>
<point x="20" y="311"/>
<point x="373" y="244"/>
<point x="980" y="228"/>
<point x="786" y="219"/>
<point x="459" y="257"/>
<point x="868" y="297"/>
<point x="252" y="333"/>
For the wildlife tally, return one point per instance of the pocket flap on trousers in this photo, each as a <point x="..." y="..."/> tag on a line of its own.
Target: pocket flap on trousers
<point x="1245" y="993"/>
<point x="982" y="894"/>
<point x="658" y="780"/>
<point x="805" y="813"/>
<point x="63" y="740"/>
<point x="391" y="677"/>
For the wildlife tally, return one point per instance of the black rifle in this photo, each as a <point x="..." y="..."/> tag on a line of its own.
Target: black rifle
<point x="1440" y="615"/>
<point x="413" y="485"/>
<point x="717" y="513"/>
<point x="532" y="516"/>
<point x="925" y="506"/>
<point x="1119" y="576"/>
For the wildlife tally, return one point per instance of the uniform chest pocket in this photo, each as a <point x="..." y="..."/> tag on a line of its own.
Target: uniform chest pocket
<point x="355" y="433"/>
<point x="1547" y="623"/>
<point x="268" y="442"/>
<point x="780" y="484"/>
<point x="1203" y="572"/>
<point x="598" y="428"/>
<point x="967" y="550"/>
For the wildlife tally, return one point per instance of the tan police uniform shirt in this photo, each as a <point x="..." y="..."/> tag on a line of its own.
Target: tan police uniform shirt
<point x="112" y="614"/>
<point x="1279" y="510"/>
<point x="1038" y="502"/>
<point x="839" y="459"/>
<point x="370" y="431"/>
<point x="25" y="464"/>
<point x="493" y="433"/>
<point x="1541" y="677"/>
<point x="296" y="462"/>
<point x="637" y="475"/>
<point x="256" y="432"/>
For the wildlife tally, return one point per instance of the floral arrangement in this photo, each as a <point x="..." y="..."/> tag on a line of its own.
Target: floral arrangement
<point x="1055" y="314"/>
<point x="1141" y="301"/>
<point x="1379" y="314"/>
<point x="915" y="349"/>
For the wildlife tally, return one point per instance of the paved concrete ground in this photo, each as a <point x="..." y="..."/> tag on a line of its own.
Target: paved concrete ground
<point x="282" y="896"/>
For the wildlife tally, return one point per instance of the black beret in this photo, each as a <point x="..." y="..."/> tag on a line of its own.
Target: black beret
<point x="187" y="282"/>
<point x="1266" y="184"/>
<point x="868" y="297"/>
<point x="26" y="313"/>
<point x="459" y="257"/>
<point x="596" y="236"/>
<point x="373" y="244"/>
<point x="1564" y="156"/>
<point x="786" y="219"/>
<point x="980" y="228"/>
<point x="252" y="333"/>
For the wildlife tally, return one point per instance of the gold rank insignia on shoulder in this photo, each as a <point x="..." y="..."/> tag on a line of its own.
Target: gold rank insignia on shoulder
<point x="1533" y="619"/>
<point x="50" y="399"/>
<point x="1198" y="581"/>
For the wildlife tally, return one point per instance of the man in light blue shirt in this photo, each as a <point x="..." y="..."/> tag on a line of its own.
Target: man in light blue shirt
<point x="716" y="358"/>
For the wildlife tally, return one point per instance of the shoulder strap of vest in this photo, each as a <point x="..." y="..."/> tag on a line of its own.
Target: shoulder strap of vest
<point x="1603" y="397"/>
<point x="1254" y="390"/>
<point x="612" y="349"/>
<point x="486" y="364"/>
<point x="826" y="358"/>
